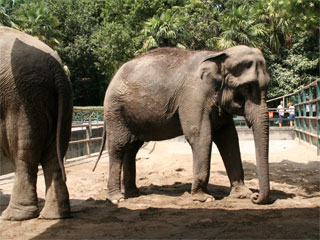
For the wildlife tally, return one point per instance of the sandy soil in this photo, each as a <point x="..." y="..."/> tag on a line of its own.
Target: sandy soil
<point x="166" y="211"/>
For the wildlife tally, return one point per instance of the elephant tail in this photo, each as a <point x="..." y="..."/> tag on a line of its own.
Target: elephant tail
<point x="64" y="119"/>
<point x="58" y="138"/>
<point x="104" y="137"/>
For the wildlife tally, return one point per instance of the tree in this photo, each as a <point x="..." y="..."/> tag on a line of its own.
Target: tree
<point x="294" y="68"/>
<point x="94" y="38"/>
<point x="163" y="31"/>
<point x="36" y="19"/>
<point x="237" y="26"/>
<point x="200" y="20"/>
<point x="79" y="20"/>
<point x="120" y="35"/>
<point x="5" y="18"/>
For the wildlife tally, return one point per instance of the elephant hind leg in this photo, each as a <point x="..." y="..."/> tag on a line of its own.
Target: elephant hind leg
<point x="23" y="203"/>
<point x="57" y="197"/>
<point x="129" y="169"/>
<point x="122" y="146"/>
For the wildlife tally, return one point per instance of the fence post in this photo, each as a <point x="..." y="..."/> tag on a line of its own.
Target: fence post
<point x="295" y="110"/>
<point x="318" y="115"/>
<point x="311" y="110"/>
<point x="88" y="138"/>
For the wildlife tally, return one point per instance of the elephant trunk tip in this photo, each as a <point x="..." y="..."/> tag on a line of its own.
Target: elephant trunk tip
<point x="260" y="198"/>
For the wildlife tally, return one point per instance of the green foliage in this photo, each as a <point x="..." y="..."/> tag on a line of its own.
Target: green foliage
<point x="239" y="25"/>
<point x="94" y="38"/>
<point x="165" y="30"/>
<point x="294" y="68"/>
<point x="6" y="19"/>
<point x="35" y="18"/>
<point x="79" y="20"/>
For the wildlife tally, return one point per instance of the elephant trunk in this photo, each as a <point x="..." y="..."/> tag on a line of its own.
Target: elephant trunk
<point x="260" y="127"/>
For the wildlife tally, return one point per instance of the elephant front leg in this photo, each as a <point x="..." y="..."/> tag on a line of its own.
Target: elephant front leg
<point x="201" y="170"/>
<point x="227" y="142"/>
<point x="199" y="137"/>
<point x="57" y="204"/>
<point x="23" y="203"/>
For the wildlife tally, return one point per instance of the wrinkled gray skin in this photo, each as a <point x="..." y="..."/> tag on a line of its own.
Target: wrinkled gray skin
<point x="169" y="92"/>
<point x="35" y="124"/>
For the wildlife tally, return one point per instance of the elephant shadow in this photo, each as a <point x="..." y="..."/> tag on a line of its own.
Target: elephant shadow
<point x="97" y="219"/>
<point x="303" y="176"/>
<point x="217" y="191"/>
<point x="178" y="189"/>
<point x="4" y="201"/>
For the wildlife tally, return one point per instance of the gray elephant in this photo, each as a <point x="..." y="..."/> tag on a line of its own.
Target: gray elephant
<point x="35" y="125"/>
<point x="169" y="92"/>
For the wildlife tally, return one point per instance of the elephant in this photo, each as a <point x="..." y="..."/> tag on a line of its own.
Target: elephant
<point x="35" y="124"/>
<point x="168" y="92"/>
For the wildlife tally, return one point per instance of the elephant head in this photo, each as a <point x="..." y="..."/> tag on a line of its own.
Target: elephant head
<point x="241" y="80"/>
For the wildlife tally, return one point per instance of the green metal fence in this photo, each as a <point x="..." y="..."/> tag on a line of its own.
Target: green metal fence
<point x="307" y="112"/>
<point x="87" y="114"/>
<point x="307" y="120"/>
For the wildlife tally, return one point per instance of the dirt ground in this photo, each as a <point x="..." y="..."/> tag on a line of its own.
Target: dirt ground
<point x="166" y="211"/>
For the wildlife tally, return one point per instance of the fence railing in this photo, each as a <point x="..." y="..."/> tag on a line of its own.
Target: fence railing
<point x="307" y="120"/>
<point x="89" y="137"/>
<point x="89" y="118"/>
<point x="307" y="112"/>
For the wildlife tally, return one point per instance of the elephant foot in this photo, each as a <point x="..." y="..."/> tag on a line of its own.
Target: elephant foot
<point x="19" y="213"/>
<point x="202" y="197"/>
<point x="115" y="197"/>
<point x="54" y="212"/>
<point x="240" y="191"/>
<point x="132" y="192"/>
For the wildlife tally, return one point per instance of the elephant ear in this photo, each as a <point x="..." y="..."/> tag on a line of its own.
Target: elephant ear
<point x="211" y="69"/>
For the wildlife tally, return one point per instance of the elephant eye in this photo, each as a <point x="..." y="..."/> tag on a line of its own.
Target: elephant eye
<point x="249" y="64"/>
<point x="247" y="87"/>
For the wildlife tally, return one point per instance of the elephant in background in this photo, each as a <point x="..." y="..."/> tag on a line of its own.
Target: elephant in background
<point x="35" y="124"/>
<point x="169" y="92"/>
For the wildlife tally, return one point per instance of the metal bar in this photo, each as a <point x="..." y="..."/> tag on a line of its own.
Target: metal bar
<point x="309" y="102"/>
<point x="315" y="83"/>
<point x="310" y="134"/>
<point x="312" y="118"/>
<point x="318" y="132"/>
<point x="318" y="114"/>
<point x="281" y="97"/>
<point x="86" y="140"/>
<point x="86" y="125"/>
<point x="88" y="109"/>
<point x="295" y="109"/>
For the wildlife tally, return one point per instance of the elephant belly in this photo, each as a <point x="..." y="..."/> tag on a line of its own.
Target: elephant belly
<point x="152" y="126"/>
<point x="156" y="132"/>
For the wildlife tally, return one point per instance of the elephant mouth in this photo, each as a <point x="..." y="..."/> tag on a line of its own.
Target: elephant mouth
<point x="249" y="124"/>
<point x="238" y="108"/>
